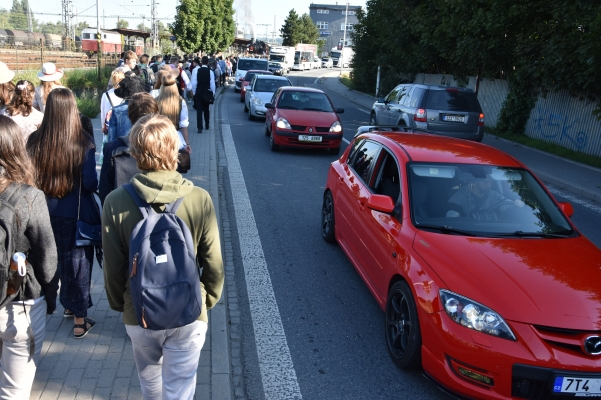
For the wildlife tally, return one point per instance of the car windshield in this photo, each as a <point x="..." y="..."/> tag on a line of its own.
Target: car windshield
<point x="480" y="200"/>
<point x="307" y="101"/>
<point x="274" y="65"/>
<point x="245" y="65"/>
<point x="249" y="76"/>
<point x="269" y="85"/>
<point x="452" y="101"/>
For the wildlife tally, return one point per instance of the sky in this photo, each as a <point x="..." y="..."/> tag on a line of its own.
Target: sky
<point x="249" y="13"/>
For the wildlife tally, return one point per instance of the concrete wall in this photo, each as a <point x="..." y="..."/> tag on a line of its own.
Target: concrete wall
<point x="557" y="118"/>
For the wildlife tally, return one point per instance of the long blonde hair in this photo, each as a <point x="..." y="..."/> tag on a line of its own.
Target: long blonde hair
<point x="47" y="87"/>
<point x="169" y="101"/>
<point x="160" y="75"/>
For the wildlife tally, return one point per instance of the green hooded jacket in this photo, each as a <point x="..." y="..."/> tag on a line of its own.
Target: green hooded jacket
<point x="120" y="215"/>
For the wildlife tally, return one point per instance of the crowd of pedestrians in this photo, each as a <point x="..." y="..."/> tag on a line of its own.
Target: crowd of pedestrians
<point x="145" y="118"/>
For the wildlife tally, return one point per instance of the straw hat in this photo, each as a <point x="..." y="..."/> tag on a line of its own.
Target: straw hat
<point x="6" y="75"/>
<point x="49" y="72"/>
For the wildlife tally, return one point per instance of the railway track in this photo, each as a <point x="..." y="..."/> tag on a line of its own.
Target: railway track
<point x="20" y="59"/>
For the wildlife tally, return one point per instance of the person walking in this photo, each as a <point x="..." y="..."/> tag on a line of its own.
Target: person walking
<point x="205" y="81"/>
<point x="23" y="315"/>
<point x="21" y="110"/>
<point x="166" y="359"/>
<point x="51" y="79"/>
<point x="7" y="88"/>
<point x="68" y="181"/>
<point x="175" y="108"/>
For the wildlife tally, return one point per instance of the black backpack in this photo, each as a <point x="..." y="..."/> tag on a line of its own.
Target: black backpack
<point x="148" y="78"/>
<point x="9" y="225"/>
<point x="123" y="163"/>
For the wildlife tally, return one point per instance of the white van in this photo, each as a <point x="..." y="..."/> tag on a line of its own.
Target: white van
<point x="246" y="64"/>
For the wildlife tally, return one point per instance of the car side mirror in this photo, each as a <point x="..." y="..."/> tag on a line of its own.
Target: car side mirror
<point x="381" y="203"/>
<point x="269" y="106"/>
<point x="567" y="209"/>
<point x="340" y="111"/>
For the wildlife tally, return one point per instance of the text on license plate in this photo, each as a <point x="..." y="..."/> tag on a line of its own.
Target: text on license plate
<point x="307" y="138"/>
<point x="567" y="384"/>
<point x="453" y="118"/>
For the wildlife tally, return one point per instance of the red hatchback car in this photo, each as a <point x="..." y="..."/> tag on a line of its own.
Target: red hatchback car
<point x="303" y="117"/>
<point x="484" y="280"/>
<point x="249" y="77"/>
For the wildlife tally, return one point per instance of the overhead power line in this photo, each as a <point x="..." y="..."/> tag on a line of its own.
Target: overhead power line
<point x="88" y="16"/>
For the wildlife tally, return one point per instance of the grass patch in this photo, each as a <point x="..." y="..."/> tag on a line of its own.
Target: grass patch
<point x="88" y="105"/>
<point x="75" y="79"/>
<point x="346" y="81"/>
<point x="549" y="148"/>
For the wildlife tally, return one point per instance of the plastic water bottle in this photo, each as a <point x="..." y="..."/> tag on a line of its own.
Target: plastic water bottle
<point x="18" y="269"/>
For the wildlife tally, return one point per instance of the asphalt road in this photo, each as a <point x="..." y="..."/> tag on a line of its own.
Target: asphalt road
<point x="332" y="324"/>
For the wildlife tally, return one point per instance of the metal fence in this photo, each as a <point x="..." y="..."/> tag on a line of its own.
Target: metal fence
<point x="557" y="118"/>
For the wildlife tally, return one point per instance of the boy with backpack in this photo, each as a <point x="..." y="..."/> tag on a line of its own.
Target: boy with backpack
<point x="146" y="73"/>
<point x="163" y="268"/>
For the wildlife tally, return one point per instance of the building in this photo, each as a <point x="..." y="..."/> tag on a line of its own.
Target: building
<point x="329" y="20"/>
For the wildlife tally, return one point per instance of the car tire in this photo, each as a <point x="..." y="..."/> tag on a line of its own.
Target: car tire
<point x="250" y="115"/>
<point x="372" y="119"/>
<point x="327" y="218"/>
<point x="335" y="150"/>
<point x="272" y="145"/>
<point x="401" y="325"/>
<point x="245" y="107"/>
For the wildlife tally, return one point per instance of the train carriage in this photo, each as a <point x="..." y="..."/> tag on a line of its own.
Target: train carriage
<point x="111" y="41"/>
<point x="3" y="38"/>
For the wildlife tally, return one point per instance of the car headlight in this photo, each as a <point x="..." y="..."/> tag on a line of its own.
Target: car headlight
<point x="474" y="315"/>
<point x="257" y="101"/>
<point x="336" y="127"/>
<point x="282" y="123"/>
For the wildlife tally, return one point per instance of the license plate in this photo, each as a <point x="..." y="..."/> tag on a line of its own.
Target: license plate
<point x="578" y="386"/>
<point x="453" y="118"/>
<point x="307" y="138"/>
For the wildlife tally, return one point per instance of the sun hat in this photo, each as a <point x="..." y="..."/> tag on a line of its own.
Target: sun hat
<point x="49" y="72"/>
<point x="6" y="75"/>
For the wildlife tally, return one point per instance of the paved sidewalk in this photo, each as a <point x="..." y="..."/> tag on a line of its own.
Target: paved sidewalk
<point x="101" y="365"/>
<point x="574" y="177"/>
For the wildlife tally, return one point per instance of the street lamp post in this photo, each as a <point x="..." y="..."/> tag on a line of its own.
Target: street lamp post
<point x="98" y="38"/>
<point x="343" y="40"/>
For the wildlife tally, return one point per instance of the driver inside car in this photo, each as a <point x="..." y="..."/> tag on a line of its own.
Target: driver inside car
<point x="477" y="195"/>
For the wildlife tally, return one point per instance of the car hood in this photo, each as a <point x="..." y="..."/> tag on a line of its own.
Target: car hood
<point x="308" y="118"/>
<point x="264" y="96"/>
<point x="550" y="282"/>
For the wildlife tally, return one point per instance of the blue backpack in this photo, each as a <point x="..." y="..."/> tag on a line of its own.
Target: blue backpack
<point x="163" y="273"/>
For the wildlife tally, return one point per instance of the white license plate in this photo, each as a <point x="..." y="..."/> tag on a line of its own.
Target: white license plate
<point x="579" y="386"/>
<point x="307" y="138"/>
<point x="453" y="118"/>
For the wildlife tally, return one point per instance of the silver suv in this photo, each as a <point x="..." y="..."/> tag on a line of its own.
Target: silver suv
<point x="446" y="111"/>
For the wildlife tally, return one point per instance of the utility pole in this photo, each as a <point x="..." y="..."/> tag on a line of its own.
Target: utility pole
<point x="98" y="38"/>
<point x="29" y="22"/>
<point x="155" y="25"/>
<point x="341" y="59"/>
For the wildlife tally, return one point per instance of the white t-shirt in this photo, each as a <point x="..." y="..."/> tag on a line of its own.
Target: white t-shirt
<point x="105" y="104"/>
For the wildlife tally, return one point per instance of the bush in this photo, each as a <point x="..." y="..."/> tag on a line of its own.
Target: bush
<point x="88" y="104"/>
<point x="75" y="79"/>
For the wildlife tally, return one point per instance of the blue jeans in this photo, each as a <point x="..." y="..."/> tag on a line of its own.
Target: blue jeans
<point x="18" y="368"/>
<point x="167" y="360"/>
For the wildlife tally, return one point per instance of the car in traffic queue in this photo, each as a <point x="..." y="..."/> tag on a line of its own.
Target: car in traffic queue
<point x="276" y="68"/>
<point x="327" y="62"/>
<point x="303" y="117"/>
<point x="498" y="298"/>
<point x="246" y="81"/>
<point x="244" y="65"/>
<point x="260" y="91"/>
<point x="443" y="110"/>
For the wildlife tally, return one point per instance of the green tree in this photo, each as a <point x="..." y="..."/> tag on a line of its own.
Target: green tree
<point x="188" y="25"/>
<point x="18" y="15"/>
<point x="122" y="24"/>
<point x="291" y="31"/>
<point x="143" y="27"/>
<point x="4" y="19"/>
<point x="308" y="30"/>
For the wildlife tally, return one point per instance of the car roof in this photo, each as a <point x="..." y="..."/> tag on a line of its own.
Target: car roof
<point x="272" y="77"/>
<point x="258" y="71"/>
<point x="426" y="147"/>
<point x="438" y="87"/>
<point x="300" y="89"/>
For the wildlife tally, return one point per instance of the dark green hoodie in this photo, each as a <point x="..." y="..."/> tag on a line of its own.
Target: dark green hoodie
<point x="120" y="215"/>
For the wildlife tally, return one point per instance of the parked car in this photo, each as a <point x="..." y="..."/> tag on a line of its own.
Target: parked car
<point x="303" y="117"/>
<point x="484" y="281"/>
<point x="246" y="81"/>
<point x="247" y="64"/>
<point x="276" y="68"/>
<point x="327" y="62"/>
<point x="260" y="91"/>
<point x="446" y="111"/>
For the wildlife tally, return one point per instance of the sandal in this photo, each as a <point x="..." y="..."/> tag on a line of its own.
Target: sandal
<point x="83" y="326"/>
<point x="68" y="314"/>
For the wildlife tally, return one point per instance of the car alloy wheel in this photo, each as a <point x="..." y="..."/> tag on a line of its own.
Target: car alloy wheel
<point x="272" y="145"/>
<point x="402" y="330"/>
<point x="327" y="218"/>
<point x="372" y="119"/>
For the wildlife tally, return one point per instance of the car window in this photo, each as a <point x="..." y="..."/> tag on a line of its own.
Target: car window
<point x="301" y="100"/>
<point x="387" y="179"/>
<point x="270" y="85"/>
<point x="275" y="96"/>
<point x="393" y="95"/>
<point x="245" y="65"/>
<point x="405" y="100"/>
<point x="364" y="159"/>
<point x="249" y="76"/>
<point x="416" y="96"/>
<point x="452" y="101"/>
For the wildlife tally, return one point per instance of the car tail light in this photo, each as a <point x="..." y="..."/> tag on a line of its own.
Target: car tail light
<point x="472" y="374"/>
<point x="420" y="115"/>
<point x="452" y="89"/>
<point x="481" y="120"/>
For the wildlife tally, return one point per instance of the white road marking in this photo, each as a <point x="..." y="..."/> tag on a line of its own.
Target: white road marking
<point x="365" y="111"/>
<point x="574" y="199"/>
<point x="277" y="370"/>
<point x="346" y="141"/>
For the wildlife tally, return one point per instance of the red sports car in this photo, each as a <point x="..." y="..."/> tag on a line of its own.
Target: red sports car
<point x="303" y="117"/>
<point x="247" y="78"/>
<point x="484" y="280"/>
